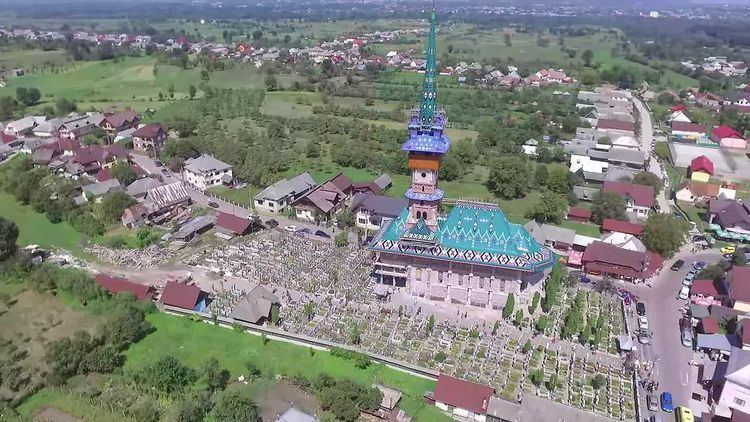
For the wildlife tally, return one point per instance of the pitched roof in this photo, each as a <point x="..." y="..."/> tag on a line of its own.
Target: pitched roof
<point x="342" y="182"/>
<point x="233" y="223"/>
<point x="602" y="252"/>
<point x="702" y="163"/>
<point x="706" y="288"/>
<point x="724" y="342"/>
<point x="383" y="181"/>
<point x="688" y="127"/>
<point x="739" y="283"/>
<point x="385" y="206"/>
<point x="150" y="130"/>
<point x="579" y="212"/>
<point x="180" y="295"/>
<point x="622" y="227"/>
<point x="102" y="188"/>
<point x="283" y="188"/>
<point x="730" y="213"/>
<point x="463" y="394"/>
<point x="642" y="196"/>
<point x="738" y="367"/>
<point x="700" y="189"/>
<point x="709" y="325"/>
<point x="256" y="305"/>
<point x="120" y="118"/>
<point x="103" y="175"/>
<point x="745" y="330"/>
<point x="168" y="195"/>
<point x="615" y="124"/>
<point x="205" y="164"/>
<point x="143" y="185"/>
<point x="725" y="131"/>
<point x="625" y="241"/>
<point x="117" y="285"/>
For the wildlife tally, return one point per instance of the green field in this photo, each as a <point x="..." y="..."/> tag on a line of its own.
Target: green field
<point x="69" y="403"/>
<point x="34" y="228"/>
<point x="192" y="342"/>
<point x="33" y="60"/>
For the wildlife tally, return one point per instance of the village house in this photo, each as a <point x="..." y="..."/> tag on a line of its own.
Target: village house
<point x="79" y="126"/>
<point x="737" y="286"/>
<point x="325" y="200"/>
<point x="275" y="198"/>
<point x="461" y="399"/>
<point x="113" y="123"/>
<point x="638" y="198"/>
<point x="206" y="171"/>
<point x="370" y="211"/>
<point x="727" y="137"/>
<point x="701" y="169"/>
<point x="605" y="259"/>
<point x="616" y="226"/>
<point x="735" y="393"/>
<point x="579" y="214"/>
<point x="694" y="192"/>
<point x="558" y="238"/>
<point x="96" y="191"/>
<point x="255" y="308"/>
<point x="23" y="126"/>
<point x="149" y="138"/>
<point x="730" y="215"/>
<point x="183" y="296"/>
<point x="49" y="128"/>
<point x="688" y="132"/>
<point x="140" y="187"/>
<point x="677" y="114"/>
<point x="117" y="285"/>
<point x="228" y="225"/>
<point x="93" y="158"/>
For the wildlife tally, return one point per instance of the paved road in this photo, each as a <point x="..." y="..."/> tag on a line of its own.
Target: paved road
<point x="150" y="167"/>
<point x="647" y="137"/>
<point x="671" y="368"/>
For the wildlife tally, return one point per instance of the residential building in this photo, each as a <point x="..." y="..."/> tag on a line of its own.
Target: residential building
<point x="735" y="394"/>
<point x="606" y="259"/>
<point x="113" y="123"/>
<point x="730" y="215"/>
<point x="255" y="308"/>
<point x="727" y="137"/>
<point x="624" y="241"/>
<point x="233" y="225"/>
<point x="96" y="191"/>
<point x="370" y="210"/>
<point x="206" y="171"/>
<point x="678" y="116"/>
<point x="325" y="200"/>
<point x="275" y="198"/>
<point x="139" y="188"/>
<point x="462" y="399"/>
<point x="693" y="192"/>
<point x="638" y="198"/>
<point x="93" y="158"/>
<point x="737" y="285"/>
<point x="555" y="237"/>
<point x="183" y="296"/>
<point x="165" y="199"/>
<point x="49" y="128"/>
<point x="609" y="226"/>
<point x="23" y="126"/>
<point x="701" y="169"/>
<point x="579" y="214"/>
<point x="78" y="127"/>
<point x="688" y="132"/>
<point x="149" y="138"/>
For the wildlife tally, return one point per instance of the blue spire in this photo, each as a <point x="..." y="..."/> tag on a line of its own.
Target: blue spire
<point x="429" y="92"/>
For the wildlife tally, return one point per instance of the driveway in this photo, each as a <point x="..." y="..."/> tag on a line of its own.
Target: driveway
<point x="647" y="137"/>
<point x="670" y="359"/>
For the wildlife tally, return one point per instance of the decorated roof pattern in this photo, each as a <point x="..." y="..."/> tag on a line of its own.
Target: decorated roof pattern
<point x="420" y="232"/>
<point x="472" y="233"/>
<point x="429" y="93"/>
<point x="421" y="196"/>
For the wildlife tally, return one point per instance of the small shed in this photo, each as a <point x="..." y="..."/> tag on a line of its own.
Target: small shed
<point x="184" y="296"/>
<point x="708" y="325"/>
<point x="625" y="343"/>
<point x="579" y="214"/>
<point x="701" y="169"/>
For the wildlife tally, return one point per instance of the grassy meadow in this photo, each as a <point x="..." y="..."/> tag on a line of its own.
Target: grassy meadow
<point x="35" y="229"/>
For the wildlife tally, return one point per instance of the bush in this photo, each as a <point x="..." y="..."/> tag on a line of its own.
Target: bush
<point x="598" y="381"/>
<point x="440" y="357"/>
<point x="526" y="347"/>
<point x="509" y="305"/>
<point x="541" y="324"/>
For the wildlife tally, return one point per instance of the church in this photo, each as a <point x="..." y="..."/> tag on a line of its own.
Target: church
<point x="473" y="255"/>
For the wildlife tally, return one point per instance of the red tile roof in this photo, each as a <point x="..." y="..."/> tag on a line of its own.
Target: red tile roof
<point x="705" y="288"/>
<point x="611" y="225"/>
<point x="702" y="163"/>
<point x="678" y="107"/>
<point x="615" y="124"/>
<point x="709" y="325"/>
<point x="122" y="117"/>
<point x="103" y="175"/>
<point x="463" y="394"/>
<point x="148" y="131"/>
<point x="579" y="212"/>
<point x="117" y="285"/>
<point x="233" y="223"/>
<point x="606" y="258"/>
<point x="6" y="139"/>
<point x="739" y="284"/>
<point x="688" y="127"/>
<point x="723" y="131"/>
<point x="643" y="196"/>
<point x="180" y="295"/>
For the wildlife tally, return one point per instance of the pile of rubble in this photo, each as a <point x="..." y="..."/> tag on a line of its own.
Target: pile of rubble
<point x="132" y="258"/>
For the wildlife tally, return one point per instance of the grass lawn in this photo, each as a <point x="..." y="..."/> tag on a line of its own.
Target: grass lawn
<point x="242" y="196"/>
<point x="194" y="342"/>
<point x="675" y="175"/>
<point x="584" y="229"/>
<point x="34" y="228"/>
<point x="69" y="403"/>
<point x="33" y="60"/>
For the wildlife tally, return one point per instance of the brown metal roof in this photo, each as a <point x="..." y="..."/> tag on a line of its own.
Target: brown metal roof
<point x="463" y="394"/>
<point x="180" y="295"/>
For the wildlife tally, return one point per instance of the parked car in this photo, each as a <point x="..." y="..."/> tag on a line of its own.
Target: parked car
<point x="640" y="309"/>
<point x="699" y="265"/>
<point x="728" y="250"/>
<point x="666" y="402"/>
<point x="643" y="323"/>
<point x="687" y="338"/>
<point x="644" y="336"/>
<point x="291" y="228"/>
<point x="158" y="163"/>
<point x="321" y="233"/>
<point x="272" y="223"/>
<point x="677" y="265"/>
<point x="304" y="231"/>
<point x="651" y="403"/>
<point x="213" y="204"/>
<point x="165" y="171"/>
<point x="688" y="280"/>
<point x="684" y="293"/>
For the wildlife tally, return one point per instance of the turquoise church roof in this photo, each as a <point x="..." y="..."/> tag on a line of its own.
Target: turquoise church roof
<point x="472" y="232"/>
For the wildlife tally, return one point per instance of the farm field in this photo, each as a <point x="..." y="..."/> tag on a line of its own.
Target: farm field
<point x="31" y="60"/>
<point x="68" y="402"/>
<point x="192" y="342"/>
<point x="36" y="229"/>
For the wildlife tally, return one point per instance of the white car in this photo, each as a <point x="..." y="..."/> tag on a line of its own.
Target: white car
<point x="643" y="323"/>
<point x="292" y="229"/>
<point x="684" y="293"/>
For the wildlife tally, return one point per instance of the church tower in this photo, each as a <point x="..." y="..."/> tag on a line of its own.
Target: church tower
<point x="426" y="146"/>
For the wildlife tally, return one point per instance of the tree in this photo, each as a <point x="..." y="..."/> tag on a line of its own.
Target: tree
<point x="235" y="406"/>
<point x="598" y="381"/>
<point x="127" y="324"/>
<point x="541" y="323"/>
<point x="549" y="209"/>
<point x="312" y="150"/>
<point x="8" y="238"/>
<point x="587" y="56"/>
<point x="213" y="375"/>
<point x="440" y="357"/>
<point x="664" y="233"/>
<point x="192" y="91"/>
<point x="526" y="347"/>
<point x="509" y="177"/>
<point x="167" y="375"/>
<point x="123" y="172"/>
<point x="540" y="176"/>
<point x="257" y="35"/>
<point x="346" y="399"/>
<point x="738" y="258"/>
<point x="552" y="383"/>
<point x="114" y="203"/>
<point x="559" y="179"/>
<point x="646" y="178"/>
<point x="607" y="205"/>
<point x="536" y="377"/>
<point x="64" y="106"/>
<point x="103" y="359"/>
<point x="28" y="96"/>
<point x="509" y="304"/>
<point x="341" y="239"/>
<point x="534" y="302"/>
<point x="345" y="218"/>
<point x="271" y="83"/>
<point x="519" y="318"/>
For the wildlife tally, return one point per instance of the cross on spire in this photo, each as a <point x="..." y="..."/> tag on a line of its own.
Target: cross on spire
<point x="429" y="92"/>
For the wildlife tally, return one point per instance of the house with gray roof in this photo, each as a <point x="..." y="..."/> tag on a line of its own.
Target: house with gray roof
<point x="556" y="237"/>
<point x="206" y="171"/>
<point x="275" y="198"/>
<point x="165" y="198"/>
<point x="23" y="126"/>
<point x="256" y="307"/>
<point x="140" y="187"/>
<point x="96" y="191"/>
<point x="371" y="211"/>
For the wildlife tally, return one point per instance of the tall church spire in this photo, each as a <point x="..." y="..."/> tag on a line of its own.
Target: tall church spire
<point x="429" y="92"/>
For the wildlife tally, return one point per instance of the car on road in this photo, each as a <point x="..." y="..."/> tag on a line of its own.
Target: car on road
<point x="688" y="280"/>
<point x="728" y="250"/>
<point x="640" y="309"/>
<point x="644" y="336"/>
<point x="291" y="228"/>
<point x="213" y="204"/>
<point x="643" y="323"/>
<point x="666" y="402"/>
<point x="684" y="293"/>
<point x="158" y="163"/>
<point x="686" y="337"/>
<point x="165" y="171"/>
<point x="272" y="223"/>
<point x="321" y="233"/>
<point x="304" y="231"/>
<point x="677" y="265"/>
<point x="699" y="265"/>
<point x="651" y="403"/>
